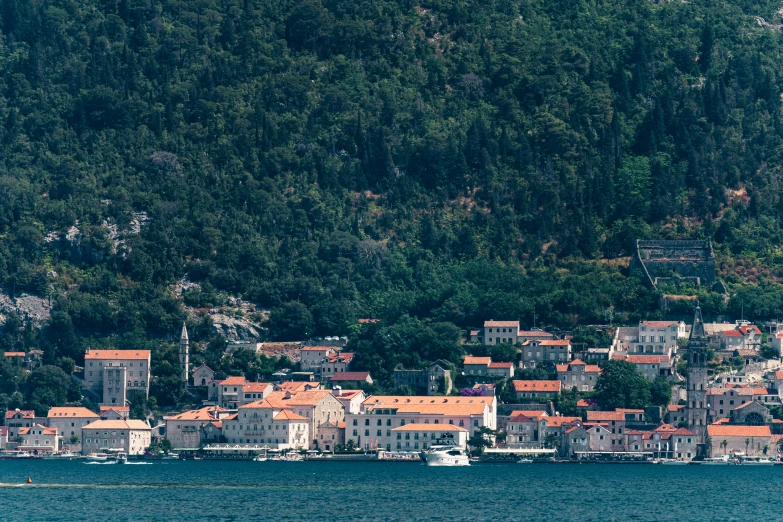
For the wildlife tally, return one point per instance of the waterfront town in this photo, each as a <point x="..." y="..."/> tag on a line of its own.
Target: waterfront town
<point x="547" y="402"/>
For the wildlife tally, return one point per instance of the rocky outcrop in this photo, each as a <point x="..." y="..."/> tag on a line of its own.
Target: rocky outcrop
<point x="36" y="309"/>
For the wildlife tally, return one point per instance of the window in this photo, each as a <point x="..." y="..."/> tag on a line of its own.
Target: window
<point x="379" y="433"/>
<point x="356" y="422"/>
<point x="366" y="422"/>
<point x="366" y="433"/>
<point x="354" y="433"/>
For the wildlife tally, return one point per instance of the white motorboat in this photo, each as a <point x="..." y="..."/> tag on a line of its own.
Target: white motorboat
<point x="170" y="456"/>
<point x="748" y="460"/>
<point x="447" y="455"/>
<point x="97" y="457"/>
<point x="720" y="460"/>
<point x="67" y="455"/>
<point x="672" y="462"/>
<point x="525" y="461"/>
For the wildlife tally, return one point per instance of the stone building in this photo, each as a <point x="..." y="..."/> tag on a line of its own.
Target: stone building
<point x="657" y="261"/>
<point x="115" y="376"/>
<point x="432" y="378"/>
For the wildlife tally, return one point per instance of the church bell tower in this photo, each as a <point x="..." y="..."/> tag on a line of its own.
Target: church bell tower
<point x="184" y="348"/>
<point x="697" y="408"/>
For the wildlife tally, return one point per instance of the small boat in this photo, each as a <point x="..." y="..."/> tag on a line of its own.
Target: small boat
<point x="67" y="455"/>
<point x="170" y="456"/>
<point x="97" y="457"/>
<point x="720" y="460"/>
<point x="525" y="461"/>
<point x="16" y="454"/>
<point x="672" y="462"/>
<point x="748" y="460"/>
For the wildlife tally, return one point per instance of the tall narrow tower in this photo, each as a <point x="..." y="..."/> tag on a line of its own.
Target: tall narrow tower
<point x="697" y="407"/>
<point x="184" y="348"/>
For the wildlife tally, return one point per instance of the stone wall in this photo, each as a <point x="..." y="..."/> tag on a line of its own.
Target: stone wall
<point x="690" y="260"/>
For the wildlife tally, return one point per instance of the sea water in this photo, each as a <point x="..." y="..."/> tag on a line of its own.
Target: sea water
<point x="338" y="491"/>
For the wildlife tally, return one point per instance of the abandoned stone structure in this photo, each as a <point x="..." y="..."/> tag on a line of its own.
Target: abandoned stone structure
<point x="659" y="261"/>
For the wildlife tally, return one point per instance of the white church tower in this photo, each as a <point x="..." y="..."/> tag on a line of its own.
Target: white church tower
<point x="184" y="347"/>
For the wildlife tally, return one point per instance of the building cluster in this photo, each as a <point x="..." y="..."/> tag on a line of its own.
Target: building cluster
<point x="75" y="429"/>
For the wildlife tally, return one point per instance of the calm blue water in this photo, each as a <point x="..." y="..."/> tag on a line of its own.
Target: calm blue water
<point x="305" y="491"/>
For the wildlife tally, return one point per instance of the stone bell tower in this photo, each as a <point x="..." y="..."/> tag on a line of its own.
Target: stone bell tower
<point x="697" y="408"/>
<point x="184" y="348"/>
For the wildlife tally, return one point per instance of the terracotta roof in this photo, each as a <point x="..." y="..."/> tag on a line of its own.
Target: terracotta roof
<point x="555" y="342"/>
<point x="725" y="430"/>
<point x="646" y="359"/>
<point x="429" y="427"/>
<point x="589" y="368"/>
<point x="13" y="354"/>
<point x="779" y="375"/>
<point x="537" y="386"/>
<point x="750" y="329"/>
<point x="501" y="324"/>
<point x="297" y="386"/>
<point x="235" y="380"/>
<point x="743" y="391"/>
<point x="483" y="361"/>
<point x="559" y="421"/>
<point x="61" y="412"/>
<point x="521" y="418"/>
<point x="724" y="420"/>
<point x="350" y="376"/>
<point x="288" y="415"/>
<point x="46" y="430"/>
<point x="731" y="333"/>
<point x="317" y="348"/>
<point x="26" y="414"/>
<point x="104" y="409"/>
<point x="435" y="405"/>
<point x="125" y="355"/>
<point x="117" y="425"/>
<point x="368" y="321"/>
<point x="203" y="366"/>
<point x="749" y="353"/>
<point x="389" y="401"/>
<point x="344" y="357"/>
<point x="659" y="324"/>
<point x="675" y="407"/>
<point x="534" y="333"/>
<point x="257" y="387"/>
<point x="208" y="413"/>
<point x="605" y="416"/>
<point x="474" y="333"/>
<point x="533" y="414"/>
<point x="628" y="410"/>
<point x="587" y="403"/>
<point x="500" y="365"/>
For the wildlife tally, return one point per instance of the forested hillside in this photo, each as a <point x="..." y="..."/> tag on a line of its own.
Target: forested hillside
<point x="440" y="162"/>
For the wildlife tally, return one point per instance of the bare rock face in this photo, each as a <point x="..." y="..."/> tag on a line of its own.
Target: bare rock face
<point x="235" y="329"/>
<point x="36" y="309"/>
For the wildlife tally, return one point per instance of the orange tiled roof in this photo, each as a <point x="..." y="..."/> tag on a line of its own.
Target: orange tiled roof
<point x="62" y="412"/>
<point x="500" y="365"/>
<point x="429" y="427"/>
<point x="559" y="421"/>
<point x="235" y="380"/>
<point x="46" y="430"/>
<point x="104" y="409"/>
<point x="344" y="357"/>
<point x="534" y="333"/>
<point x="483" y="361"/>
<point x="726" y="430"/>
<point x="257" y="387"/>
<point x="26" y="414"/>
<point x="13" y="354"/>
<point x="208" y="413"/>
<point x="646" y="359"/>
<point x="605" y="416"/>
<point x="587" y="403"/>
<point x="289" y="415"/>
<point x="555" y="342"/>
<point x="117" y="425"/>
<point x="675" y="407"/>
<point x="533" y="414"/>
<point x="537" y="386"/>
<point x="125" y="355"/>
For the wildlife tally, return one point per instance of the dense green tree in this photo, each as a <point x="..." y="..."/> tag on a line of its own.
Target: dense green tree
<point x="661" y="392"/>
<point x="620" y="385"/>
